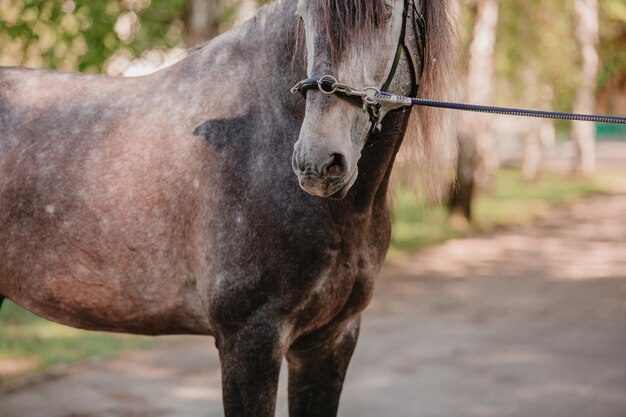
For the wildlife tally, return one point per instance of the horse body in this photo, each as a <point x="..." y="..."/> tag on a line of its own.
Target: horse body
<point x="166" y="204"/>
<point x="75" y="154"/>
<point x="142" y="205"/>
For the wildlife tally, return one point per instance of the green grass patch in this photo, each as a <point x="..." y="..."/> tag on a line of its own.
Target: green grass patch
<point x="416" y="225"/>
<point x="30" y="344"/>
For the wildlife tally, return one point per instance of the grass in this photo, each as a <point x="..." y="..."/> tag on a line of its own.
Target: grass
<point x="29" y="344"/>
<point x="513" y="202"/>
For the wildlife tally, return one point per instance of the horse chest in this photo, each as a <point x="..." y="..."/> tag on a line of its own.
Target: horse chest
<point x="338" y="294"/>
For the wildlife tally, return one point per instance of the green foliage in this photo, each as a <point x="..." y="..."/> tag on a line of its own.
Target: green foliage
<point x="536" y="48"/>
<point x="612" y="47"/>
<point x="82" y="35"/>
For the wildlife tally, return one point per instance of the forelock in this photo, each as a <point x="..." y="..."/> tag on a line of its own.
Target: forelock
<point x="347" y="21"/>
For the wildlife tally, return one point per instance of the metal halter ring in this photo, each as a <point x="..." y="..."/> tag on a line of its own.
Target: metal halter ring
<point x="325" y="80"/>
<point x="370" y="99"/>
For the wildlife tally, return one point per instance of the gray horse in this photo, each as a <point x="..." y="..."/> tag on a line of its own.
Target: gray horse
<point x="168" y="203"/>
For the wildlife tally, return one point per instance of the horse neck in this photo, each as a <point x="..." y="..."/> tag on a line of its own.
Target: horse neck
<point x="377" y="160"/>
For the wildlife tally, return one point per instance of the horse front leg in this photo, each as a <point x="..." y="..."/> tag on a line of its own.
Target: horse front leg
<point x="250" y="359"/>
<point x="316" y="372"/>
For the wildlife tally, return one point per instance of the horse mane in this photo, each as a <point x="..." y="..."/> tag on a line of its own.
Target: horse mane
<point x="347" y="21"/>
<point x="430" y="137"/>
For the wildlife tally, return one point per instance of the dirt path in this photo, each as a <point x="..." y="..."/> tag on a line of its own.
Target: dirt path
<point x="525" y="322"/>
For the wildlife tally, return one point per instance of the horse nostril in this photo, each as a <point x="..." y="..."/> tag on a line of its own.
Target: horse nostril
<point x="298" y="163"/>
<point x="336" y="166"/>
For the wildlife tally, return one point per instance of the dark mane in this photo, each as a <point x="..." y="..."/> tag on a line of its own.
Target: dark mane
<point x="349" y="20"/>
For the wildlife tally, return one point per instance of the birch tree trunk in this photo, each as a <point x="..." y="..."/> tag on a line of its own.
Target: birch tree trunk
<point x="587" y="35"/>
<point x="246" y="10"/>
<point x="202" y="21"/>
<point x="542" y="132"/>
<point x="477" y="162"/>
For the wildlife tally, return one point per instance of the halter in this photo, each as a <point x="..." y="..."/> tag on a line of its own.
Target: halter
<point x="368" y="96"/>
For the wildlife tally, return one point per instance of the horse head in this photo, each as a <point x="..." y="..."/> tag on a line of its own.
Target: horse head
<point x="364" y="45"/>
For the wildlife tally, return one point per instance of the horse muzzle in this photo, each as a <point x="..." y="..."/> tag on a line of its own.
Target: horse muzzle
<point x="329" y="178"/>
<point x="322" y="187"/>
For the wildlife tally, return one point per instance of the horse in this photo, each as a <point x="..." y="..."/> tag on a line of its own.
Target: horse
<point x="208" y="199"/>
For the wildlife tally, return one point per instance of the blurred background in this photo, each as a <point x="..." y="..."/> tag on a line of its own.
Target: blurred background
<point x="562" y="55"/>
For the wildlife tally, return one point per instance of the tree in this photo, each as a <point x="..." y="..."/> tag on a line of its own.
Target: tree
<point x="539" y="133"/>
<point x="612" y="45"/>
<point x="476" y="161"/>
<point x="82" y="35"/>
<point x="246" y="10"/>
<point x="87" y="36"/>
<point x="202" y="20"/>
<point x="583" y="133"/>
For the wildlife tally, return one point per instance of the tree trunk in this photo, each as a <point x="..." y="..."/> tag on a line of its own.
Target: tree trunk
<point x="460" y="204"/>
<point x="583" y="133"/>
<point x="202" y="21"/>
<point x="246" y="10"/>
<point x="542" y="132"/>
<point x="532" y="155"/>
<point x="477" y="159"/>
